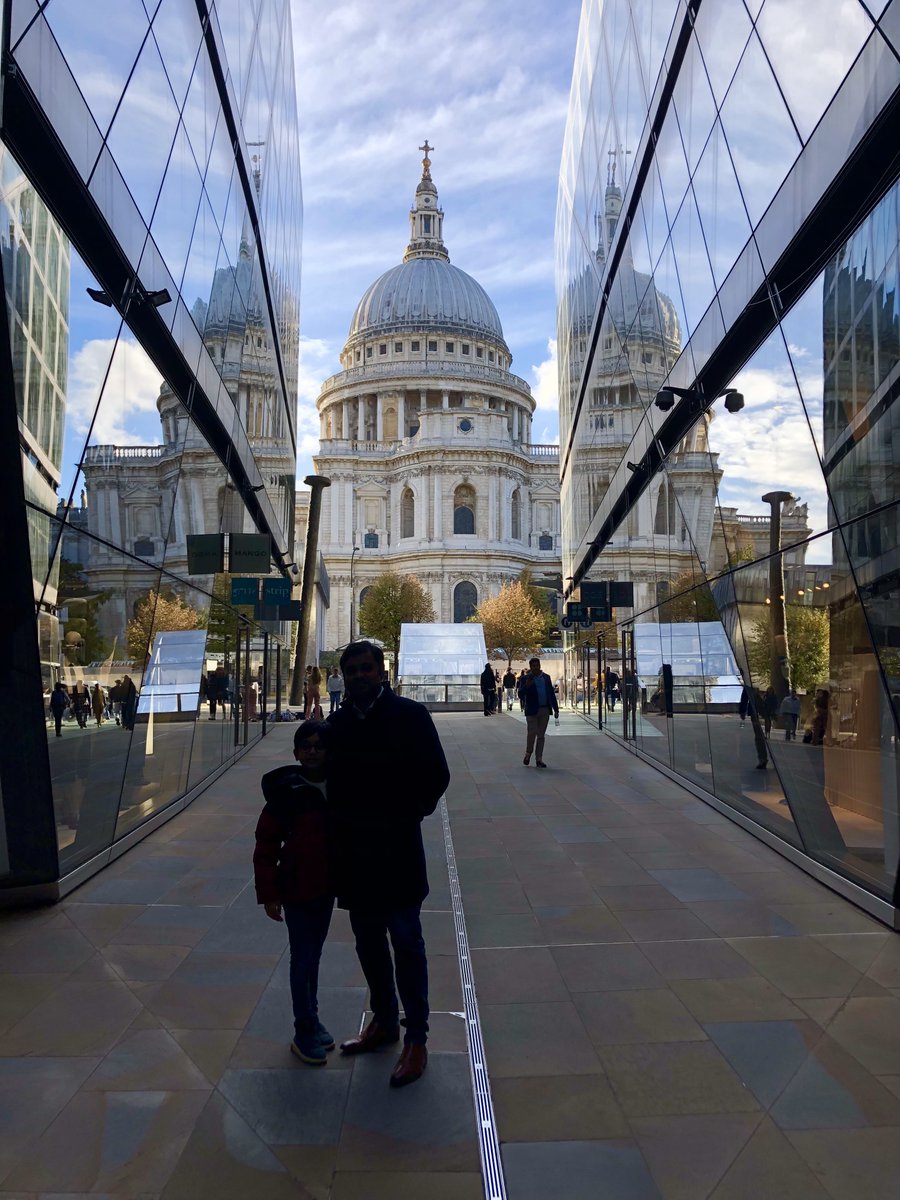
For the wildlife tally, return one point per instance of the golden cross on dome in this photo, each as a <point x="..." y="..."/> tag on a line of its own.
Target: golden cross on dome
<point x="426" y="161"/>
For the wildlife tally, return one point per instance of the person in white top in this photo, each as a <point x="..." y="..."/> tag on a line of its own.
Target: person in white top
<point x="334" y="685"/>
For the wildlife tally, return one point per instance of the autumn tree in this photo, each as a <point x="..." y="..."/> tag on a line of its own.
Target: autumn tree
<point x="808" y="634"/>
<point x="161" y="611"/>
<point x="391" y="601"/>
<point x="512" y="622"/>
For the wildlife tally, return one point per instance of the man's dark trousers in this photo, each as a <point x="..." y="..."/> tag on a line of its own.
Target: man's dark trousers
<point x="371" y="930"/>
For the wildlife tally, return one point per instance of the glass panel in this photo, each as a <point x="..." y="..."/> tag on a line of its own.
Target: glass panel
<point x="102" y="62"/>
<point x="178" y="36"/>
<point x="811" y="58"/>
<point x="722" y="30"/>
<point x="759" y="131"/>
<point x="176" y="211"/>
<point x="143" y="130"/>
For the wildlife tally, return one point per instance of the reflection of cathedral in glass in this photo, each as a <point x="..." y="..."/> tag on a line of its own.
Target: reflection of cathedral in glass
<point x="639" y="340"/>
<point x="153" y="496"/>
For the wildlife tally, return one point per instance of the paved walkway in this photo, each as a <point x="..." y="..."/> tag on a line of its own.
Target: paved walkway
<point x="669" y="1009"/>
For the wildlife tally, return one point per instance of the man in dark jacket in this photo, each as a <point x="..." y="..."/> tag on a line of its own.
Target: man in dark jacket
<point x="539" y="695"/>
<point x="387" y="773"/>
<point x="488" y="689"/>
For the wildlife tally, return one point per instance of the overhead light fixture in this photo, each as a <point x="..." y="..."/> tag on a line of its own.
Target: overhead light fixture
<point x="631" y="466"/>
<point x="100" y="297"/>
<point x="158" y="298"/>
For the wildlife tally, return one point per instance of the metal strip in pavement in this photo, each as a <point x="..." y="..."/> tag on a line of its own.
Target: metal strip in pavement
<point x="488" y="1141"/>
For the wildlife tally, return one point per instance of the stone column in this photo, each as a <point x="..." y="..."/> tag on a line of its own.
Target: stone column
<point x="361" y="419"/>
<point x="438" y="507"/>
<point x="492" y="533"/>
<point x="445" y="400"/>
<point x="516" y="423"/>
<point x="345" y="420"/>
<point x="379" y="416"/>
<point x="401" y="415"/>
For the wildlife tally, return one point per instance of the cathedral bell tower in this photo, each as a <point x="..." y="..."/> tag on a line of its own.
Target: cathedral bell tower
<point x="426" y="219"/>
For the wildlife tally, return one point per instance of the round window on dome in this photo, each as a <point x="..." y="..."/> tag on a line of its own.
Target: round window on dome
<point x="465" y="425"/>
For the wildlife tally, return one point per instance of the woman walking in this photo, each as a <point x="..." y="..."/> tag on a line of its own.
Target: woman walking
<point x="313" y="695"/>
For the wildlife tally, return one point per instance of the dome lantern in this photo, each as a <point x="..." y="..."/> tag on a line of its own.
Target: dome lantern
<point x="426" y="219"/>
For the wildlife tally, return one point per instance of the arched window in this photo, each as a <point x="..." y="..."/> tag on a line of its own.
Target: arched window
<point x="516" y="517"/>
<point x="665" y="510"/>
<point x="465" y="601"/>
<point x="464" y="509"/>
<point x="390" y="424"/>
<point x="362" y="596"/>
<point x="407" y="514"/>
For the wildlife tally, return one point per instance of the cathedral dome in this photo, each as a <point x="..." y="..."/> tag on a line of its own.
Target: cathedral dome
<point x="425" y="291"/>
<point x="422" y="293"/>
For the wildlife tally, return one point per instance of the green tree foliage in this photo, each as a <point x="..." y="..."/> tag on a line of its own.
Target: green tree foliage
<point x="391" y="601"/>
<point x="223" y="621"/>
<point x="808" y="631"/>
<point x="688" y="602"/>
<point x="159" y="612"/>
<point x="512" y="622"/>
<point x="540" y="598"/>
<point x="89" y="645"/>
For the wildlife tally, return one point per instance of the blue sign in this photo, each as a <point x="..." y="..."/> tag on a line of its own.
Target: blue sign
<point x="244" y="591"/>
<point x="276" y="591"/>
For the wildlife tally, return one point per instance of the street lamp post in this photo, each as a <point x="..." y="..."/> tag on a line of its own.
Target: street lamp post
<point x="779" y="661"/>
<point x="316" y="484"/>
<point x="352" y="593"/>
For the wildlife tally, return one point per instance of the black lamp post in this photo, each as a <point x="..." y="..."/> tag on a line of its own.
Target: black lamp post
<point x="352" y="593"/>
<point x="779" y="662"/>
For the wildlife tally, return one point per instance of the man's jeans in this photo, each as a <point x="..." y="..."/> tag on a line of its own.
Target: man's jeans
<point x="371" y="930"/>
<point x="307" y="926"/>
<point x="334" y="700"/>
<point x="537" y="727"/>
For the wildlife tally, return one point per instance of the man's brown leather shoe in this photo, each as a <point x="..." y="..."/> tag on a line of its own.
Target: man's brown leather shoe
<point x="410" y="1065"/>
<point x="373" y="1037"/>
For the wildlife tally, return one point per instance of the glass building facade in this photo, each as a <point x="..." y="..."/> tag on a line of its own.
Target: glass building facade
<point x="728" y="286"/>
<point x="150" y="252"/>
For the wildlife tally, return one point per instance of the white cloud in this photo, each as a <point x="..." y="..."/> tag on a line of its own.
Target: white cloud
<point x="545" y="380"/>
<point x="768" y="446"/>
<point x="121" y="414"/>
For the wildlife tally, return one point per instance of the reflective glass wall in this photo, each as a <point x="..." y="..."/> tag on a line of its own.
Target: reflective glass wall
<point x="729" y="316"/>
<point x="150" y="239"/>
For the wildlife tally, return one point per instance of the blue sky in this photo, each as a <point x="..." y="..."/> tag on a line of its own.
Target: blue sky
<point x="488" y="85"/>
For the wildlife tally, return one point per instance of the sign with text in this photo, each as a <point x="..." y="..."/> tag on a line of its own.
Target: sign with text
<point x="244" y="591"/>
<point x="276" y="591"/>
<point x="248" y="553"/>
<point x="206" y="553"/>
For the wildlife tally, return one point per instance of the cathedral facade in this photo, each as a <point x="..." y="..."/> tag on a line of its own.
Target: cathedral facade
<point x="426" y="438"/>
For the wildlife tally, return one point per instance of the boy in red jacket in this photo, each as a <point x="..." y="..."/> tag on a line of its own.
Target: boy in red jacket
<point x="290" y="865"/>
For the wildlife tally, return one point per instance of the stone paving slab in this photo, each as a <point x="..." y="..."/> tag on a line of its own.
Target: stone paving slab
<point x="670" y="1010"/>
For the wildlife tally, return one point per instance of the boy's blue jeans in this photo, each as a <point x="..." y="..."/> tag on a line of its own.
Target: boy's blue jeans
<point x="307" y="926"/>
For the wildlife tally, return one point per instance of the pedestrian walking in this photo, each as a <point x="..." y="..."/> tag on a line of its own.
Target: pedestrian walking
<point x="519" y="692"/>
<point x="81" y="703"/>
<point x="789" y="711"/>
<point x="611" y="684"/>
<point x="334" y="685"/>
<point x="129" y="702"/>
<point x="387" y="772"/>
<point x="488" y="689"/>
<point x="769" y="709"/>
<point x="314" y="695"/>
<point x="217" y="692"/>
<point x="98" y="703"/>
<point x="509" y="687"/>
<point x="293" y="878"/>
<point x="539" y="697"/>
<point x="59" y="702"/>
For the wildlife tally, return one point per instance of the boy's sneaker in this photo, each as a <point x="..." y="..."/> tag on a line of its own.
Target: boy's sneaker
<point x="309" y="1049"/>
<point x="326" y="1041"/>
